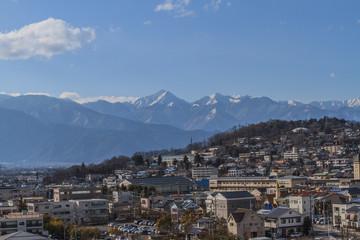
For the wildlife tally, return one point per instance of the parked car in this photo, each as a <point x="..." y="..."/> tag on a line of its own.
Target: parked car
<point x="296" y="234"/>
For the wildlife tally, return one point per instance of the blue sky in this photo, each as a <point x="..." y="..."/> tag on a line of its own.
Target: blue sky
<point x="302" y="50"/>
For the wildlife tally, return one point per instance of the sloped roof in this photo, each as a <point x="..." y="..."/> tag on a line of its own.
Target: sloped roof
<point x="239" y="194"/>
<point x="240" y="214"/>
<point x="161" y="181"/>
<point x="279" y="211"/>
<point x="22" y="236"/>
<point x="353" y="209"/>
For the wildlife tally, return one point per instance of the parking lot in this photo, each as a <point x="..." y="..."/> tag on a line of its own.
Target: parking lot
<point x="128" y="230"/>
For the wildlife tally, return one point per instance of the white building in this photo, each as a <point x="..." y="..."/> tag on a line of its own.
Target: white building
<point x="302" y="204"/>
<point x="21" y="221"/>
<point x="91" y="210"/>
<point x="283" y="220"/>
<point x="63" y="210"/>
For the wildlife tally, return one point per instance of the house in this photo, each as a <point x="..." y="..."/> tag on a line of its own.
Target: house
<point x="222" y="204"/>
<point x="342" y="217"/>
<point x="282" y="221"/>
<point x="245" y="224"/>
<point x="177" y="209"/>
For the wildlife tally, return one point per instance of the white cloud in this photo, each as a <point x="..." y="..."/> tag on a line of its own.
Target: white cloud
<point x="228" y="4"/>
<point x="45" y="38"/>
<point x="358" y="21"/>
<point x="333" y="75"/>
<point x="330" y="27"/>
<point x="114" y="29"/>
<point x="282" y="22"/>
<point x="76" y="97"/>
<point x="148" y="22"/>
<point x="176" y="7"/>
<point x="341" y="28"/>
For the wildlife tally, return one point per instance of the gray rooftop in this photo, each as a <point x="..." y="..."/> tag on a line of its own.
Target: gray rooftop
<point x="22" y="236"/>
<point x="161" y="181"/>
<point x="239" y="194"/>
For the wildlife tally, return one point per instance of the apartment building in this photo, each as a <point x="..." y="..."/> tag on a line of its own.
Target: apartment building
<point x="91" y="210"/>
<point x="64" y="209"/>
<point x="21" y="221"/>
<point x="302" y="204"/>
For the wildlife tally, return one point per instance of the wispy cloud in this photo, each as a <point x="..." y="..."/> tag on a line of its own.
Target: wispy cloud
<point x="358" y="21"/>
<point x="76" y="97"/>
<point x="45" y="38"/>
<point x="114" y="29"/>
<point x="148" y="22"/>
<point x="330" y="27"/>
<point x="282" y="22"/>
<point x="175" y="7"/>
<point x="215" y="4"/>
<point x="333" y="75"/>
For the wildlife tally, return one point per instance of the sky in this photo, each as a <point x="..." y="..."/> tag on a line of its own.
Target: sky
<point x="118" y="49"/>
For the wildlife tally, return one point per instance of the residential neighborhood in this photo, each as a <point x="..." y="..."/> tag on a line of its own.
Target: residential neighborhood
<point x="299" y="184"/>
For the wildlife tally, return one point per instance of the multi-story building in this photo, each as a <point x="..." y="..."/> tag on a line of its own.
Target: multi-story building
<point x="7" y="207"/>
<point x="199" y="173"/>
<point x="340" y="214"/>
<point x="12" y="193"/>
<point x="356" y="167"/>
<point x="283" y="220"/>
<point x="69" y="193"/>
<point x="64" y="209"/>
<point x="21" y="221"/>
<point x="246" y="224"/>
<point x="229" y="184"/>
<point x="304" y="204"/>
<point x="91" y="210"/>
<point x="123" y="197"/>
<point x="169" y="159"/>
<point x="222" y="204"/>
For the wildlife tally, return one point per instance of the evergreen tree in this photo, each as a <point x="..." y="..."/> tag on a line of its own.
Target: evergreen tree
<point x="159" y="160"/>
<point x="138" y="159"/>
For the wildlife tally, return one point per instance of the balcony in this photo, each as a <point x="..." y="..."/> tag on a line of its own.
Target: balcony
<point x="8" y="226"/>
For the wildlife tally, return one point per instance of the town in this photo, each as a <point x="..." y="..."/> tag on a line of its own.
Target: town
<point x="271" y="180"/>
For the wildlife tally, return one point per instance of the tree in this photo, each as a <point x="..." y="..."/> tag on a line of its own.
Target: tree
<point x="138" y="159"/>
<point x="123" y="188"/>
<point x="164" y="224"/>
<point x="21" y="205"/>
<point x="147" y="162"/>
<point x="175" y="162"/>
<point x="186" y="162"/>
<point x="159" y="160"/>
<point x="197" y="159"/>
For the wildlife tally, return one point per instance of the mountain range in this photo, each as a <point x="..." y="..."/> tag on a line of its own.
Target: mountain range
<point x="220" y="112"/>
<point x="43" y="130"/>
